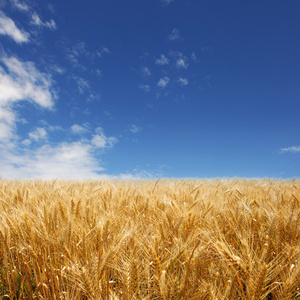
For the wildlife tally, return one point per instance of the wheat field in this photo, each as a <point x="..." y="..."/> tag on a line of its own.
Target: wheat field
<point x="165" y="239"/>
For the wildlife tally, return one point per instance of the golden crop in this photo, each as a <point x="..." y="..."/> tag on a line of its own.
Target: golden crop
<point x="167" y="239"/>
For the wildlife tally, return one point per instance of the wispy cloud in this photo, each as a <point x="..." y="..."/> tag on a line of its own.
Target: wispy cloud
<point x="82" y="84"/>
<point x="146" y="71"/>
<point x="102" y="51"/>
<point x="50" y="128"/>
<point x="100" y="140"/>
<point x="145" y="87"/>
<point x="20" y="5"/>
<point x="99" y="73"/>
<point x="77" y="52"/>
<point x="163" y="82"/>
<point x="163" y="60"/>
<point x="22" y="81"/>
<point x="79" y="129"/>
<point x="9" y="28"/>
<point x="108" y="114"/>
<point x="181" y="60"/>
<point x="39" y="133"/>
<point x="74" y="52"/>
<point x="181" y="63"/>
<point x="134" y="128"/>
<point x="183" y="81"/>
<point x="57" y="69"/>
<point x="38" y="22"/>
<point x="142" y="172"/>
<point x="7" y="123"/>
<point x="174" y="36"/>
<point x="167" y="2"/>
<point x="294" y="149"/>
<point x="194" y="57"/>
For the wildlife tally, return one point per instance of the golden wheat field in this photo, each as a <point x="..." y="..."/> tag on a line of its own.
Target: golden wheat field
<point x="165" y="239"/>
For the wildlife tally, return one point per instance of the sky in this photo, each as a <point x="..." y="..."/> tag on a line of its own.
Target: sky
<point x="116" y="89"/>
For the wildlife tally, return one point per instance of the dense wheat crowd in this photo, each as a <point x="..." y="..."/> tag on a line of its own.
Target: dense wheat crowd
<point x="166" y="239"/>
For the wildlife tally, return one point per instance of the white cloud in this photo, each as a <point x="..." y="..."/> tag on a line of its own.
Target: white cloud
<point x="145" y="87"/>
<point x="101" y="141"/>
<point x="38" y="134"/>
<point x="163" y="82"/>
<point x="181" y="63"/>
<point x="20" y="81"/>
<point x="72" y="160"/>
<point x="8" y="27"/>
<point x="38" y="22"/>
<point x="146" y="71"/>
<point x="66" y="160"/>
<point x="183" y="81"/>
<point x="174" y="36"/>
<point x="134" y="128"/>
<point x="78" y="129"/>
<point x="163" y="60"/>
<point x="294" y="149"/>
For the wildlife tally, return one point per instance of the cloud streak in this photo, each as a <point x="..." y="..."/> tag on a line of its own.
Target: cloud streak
<point x="20" y="6"/>
<point x="9" y="28"/>
<point x="38" y="22"/>
<point x="22" y="81"/>
<point x="294" y="149"/>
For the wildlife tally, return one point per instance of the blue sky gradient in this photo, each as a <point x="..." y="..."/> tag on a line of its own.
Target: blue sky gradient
<point x="143" y="89"/>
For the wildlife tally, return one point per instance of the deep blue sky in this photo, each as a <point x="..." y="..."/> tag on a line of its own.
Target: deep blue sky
<point x="139" y="88"/>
